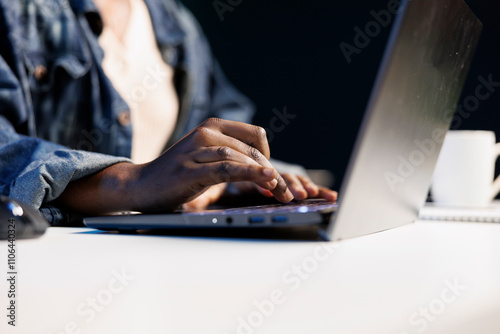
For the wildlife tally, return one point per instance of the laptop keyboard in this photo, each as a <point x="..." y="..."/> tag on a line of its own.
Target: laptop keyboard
<point x="310" y="205"/>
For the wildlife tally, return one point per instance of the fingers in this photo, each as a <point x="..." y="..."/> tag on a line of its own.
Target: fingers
<point x="218" y="146"/>
<point x="221" y="153"/>
<point x="327" y="194"/>
<point x="225" y="154"/>
<point x="265" y="192"/>
<point x="247" y="139"/>
<point x="251" y="135"/>
<point x="233" y="171"/>
<point x="281" y="191"/>
<point x="228" y="148"/>
<point x="296" y="187"/>
<point x="311" y="188"/>
<point x="210" y="196"/>
<point x="302" y="187"/>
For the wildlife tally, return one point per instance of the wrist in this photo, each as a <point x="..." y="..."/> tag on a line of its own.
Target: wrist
<point x="121" y="182"/>
<point x="109" y="190"/>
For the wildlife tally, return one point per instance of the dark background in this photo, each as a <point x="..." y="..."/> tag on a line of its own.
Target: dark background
<point x="286" y="53"/>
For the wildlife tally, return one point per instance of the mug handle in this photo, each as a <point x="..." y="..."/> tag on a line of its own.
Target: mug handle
<point x="496" y="184"/>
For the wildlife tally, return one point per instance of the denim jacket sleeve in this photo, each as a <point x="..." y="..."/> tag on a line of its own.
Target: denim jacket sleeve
<point x="34" y="170"/>
<point x="39" y="119"/>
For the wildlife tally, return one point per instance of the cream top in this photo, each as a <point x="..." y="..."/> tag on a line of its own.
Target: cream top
<point x="136" y="69"/>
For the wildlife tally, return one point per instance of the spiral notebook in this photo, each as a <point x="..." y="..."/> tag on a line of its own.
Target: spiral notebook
<point x="489" y="214"/>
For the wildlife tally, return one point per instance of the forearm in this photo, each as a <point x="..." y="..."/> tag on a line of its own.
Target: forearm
<point x="109" y="190"/>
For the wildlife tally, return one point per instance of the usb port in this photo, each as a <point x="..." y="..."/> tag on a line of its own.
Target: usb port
<point x="280" y="219"/>
<point x="256" y="219"/>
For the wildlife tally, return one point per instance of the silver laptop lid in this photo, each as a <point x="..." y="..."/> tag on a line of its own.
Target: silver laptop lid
<point x="411" y="106"/>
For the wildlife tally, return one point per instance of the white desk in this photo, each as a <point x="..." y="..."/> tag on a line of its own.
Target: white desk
<point x="387" y="282"/>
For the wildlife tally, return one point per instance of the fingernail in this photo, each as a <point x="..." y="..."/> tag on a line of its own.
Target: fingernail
<point x="273" y="183"/>
<point x="288" y="195"/>
<point x="268" y="172"/>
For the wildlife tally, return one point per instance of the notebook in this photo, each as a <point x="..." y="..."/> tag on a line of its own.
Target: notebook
<point x="488" y="214"/>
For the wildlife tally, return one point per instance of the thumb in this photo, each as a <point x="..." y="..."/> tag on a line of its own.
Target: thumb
<point x="264" y="192"/>
<point x="210" y="196"/>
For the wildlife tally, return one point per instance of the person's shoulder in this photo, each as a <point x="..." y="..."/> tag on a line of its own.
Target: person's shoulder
<point x="44" y="5"/>
<point x="38" y="12"/>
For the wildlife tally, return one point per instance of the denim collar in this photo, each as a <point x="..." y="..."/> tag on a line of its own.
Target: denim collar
<point x="165" y="23"/>
<point x="83" y="6"/>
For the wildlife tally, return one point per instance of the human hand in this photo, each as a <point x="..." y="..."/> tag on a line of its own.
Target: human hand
<point x="215" y="152"/>
<point x="300" y="186"/>
<point x="194" y="171"/>
<point x="210" y="196"/>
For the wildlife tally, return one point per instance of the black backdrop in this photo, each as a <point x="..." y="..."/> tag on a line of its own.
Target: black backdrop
<point x="285" y="53"/>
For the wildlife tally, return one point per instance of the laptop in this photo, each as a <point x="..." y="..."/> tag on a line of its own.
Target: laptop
<point x="411" y="106"/>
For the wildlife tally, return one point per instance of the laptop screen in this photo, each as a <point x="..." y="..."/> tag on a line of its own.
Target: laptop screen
<point x="418" y="85"/>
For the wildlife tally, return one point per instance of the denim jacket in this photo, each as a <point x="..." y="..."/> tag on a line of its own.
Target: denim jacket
<point x="60" y="117"/>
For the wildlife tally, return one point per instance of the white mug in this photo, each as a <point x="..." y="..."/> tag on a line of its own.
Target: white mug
<point x="465" y="169"/>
